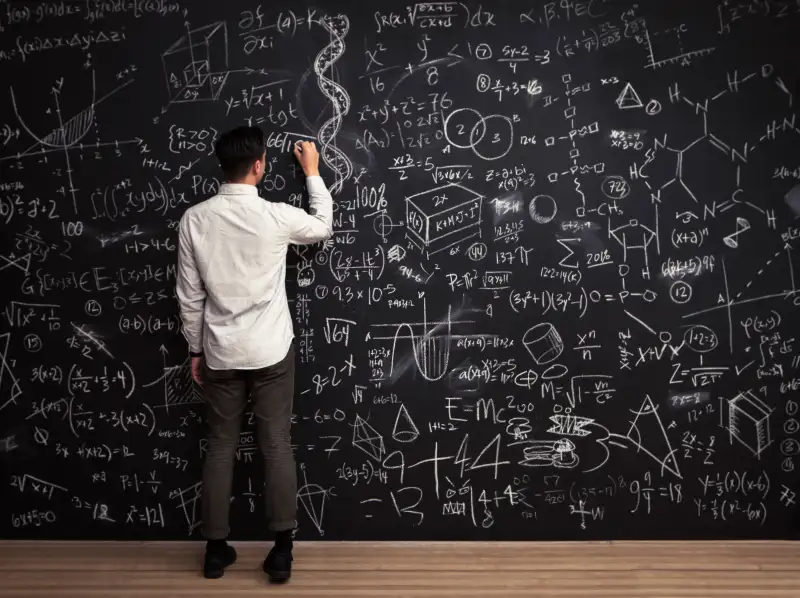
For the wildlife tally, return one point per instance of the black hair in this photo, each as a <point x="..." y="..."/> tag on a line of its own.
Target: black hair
<point x="237" y="149"/>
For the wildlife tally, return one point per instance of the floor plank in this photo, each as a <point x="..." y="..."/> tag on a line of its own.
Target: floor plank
<point x="424" y="569"/>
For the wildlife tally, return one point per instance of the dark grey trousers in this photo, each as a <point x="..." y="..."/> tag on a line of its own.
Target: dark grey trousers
<point x="226" y="392"/>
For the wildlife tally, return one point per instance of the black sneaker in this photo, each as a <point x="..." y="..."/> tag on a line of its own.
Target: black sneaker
<point x="278" y="564"/>
<point x="217" y="559"/>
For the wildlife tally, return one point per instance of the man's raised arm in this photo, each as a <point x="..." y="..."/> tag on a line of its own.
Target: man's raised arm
<point x="316" y="224"/>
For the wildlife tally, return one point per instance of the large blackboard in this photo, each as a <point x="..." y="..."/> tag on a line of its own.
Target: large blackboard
<point x="560" y="301"/>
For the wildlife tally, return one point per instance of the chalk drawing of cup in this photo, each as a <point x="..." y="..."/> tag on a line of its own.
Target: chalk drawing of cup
<point x="543" y="343"/>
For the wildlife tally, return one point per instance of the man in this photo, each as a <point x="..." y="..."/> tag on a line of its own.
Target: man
<point x="231" y="287"/>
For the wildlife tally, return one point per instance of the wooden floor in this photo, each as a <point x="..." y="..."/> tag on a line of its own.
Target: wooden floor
<point x="389" y="570"/>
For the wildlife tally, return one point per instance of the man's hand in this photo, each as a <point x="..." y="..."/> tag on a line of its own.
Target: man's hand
<point x="197" y="369"/>
<point x="306" y="154"/>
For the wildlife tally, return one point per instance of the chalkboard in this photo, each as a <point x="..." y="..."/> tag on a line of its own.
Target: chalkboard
<point x="560" y="301"/>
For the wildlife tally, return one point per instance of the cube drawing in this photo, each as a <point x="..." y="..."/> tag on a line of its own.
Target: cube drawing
<point x="749" y="422"/>
<point x="196" y="66"/>
<point x="443" y="217"/>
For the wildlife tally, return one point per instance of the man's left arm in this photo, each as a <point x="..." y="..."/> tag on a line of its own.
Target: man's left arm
<point x="190" y="290"/>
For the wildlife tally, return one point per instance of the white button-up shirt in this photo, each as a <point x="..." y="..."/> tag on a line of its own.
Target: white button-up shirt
<point x="231" y="280"/>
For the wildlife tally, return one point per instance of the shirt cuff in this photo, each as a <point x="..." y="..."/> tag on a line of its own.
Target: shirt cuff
<point x="315" y="180"/>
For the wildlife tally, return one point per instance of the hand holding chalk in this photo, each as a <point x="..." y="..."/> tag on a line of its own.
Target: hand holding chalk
<point x="307" y="156"/>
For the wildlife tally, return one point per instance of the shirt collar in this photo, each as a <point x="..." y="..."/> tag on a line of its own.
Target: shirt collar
<point x="237" y="189"/>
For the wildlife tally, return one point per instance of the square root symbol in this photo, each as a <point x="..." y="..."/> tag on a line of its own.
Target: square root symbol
<point x="443" y="217"/>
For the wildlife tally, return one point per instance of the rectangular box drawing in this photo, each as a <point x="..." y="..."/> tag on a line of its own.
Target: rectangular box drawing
<point x="442" y="217"/>
<point x="196" y="66"/>
<point x="749" y="422"/>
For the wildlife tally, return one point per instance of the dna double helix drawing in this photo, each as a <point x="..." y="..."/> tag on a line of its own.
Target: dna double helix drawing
<point x="338" y="27"/>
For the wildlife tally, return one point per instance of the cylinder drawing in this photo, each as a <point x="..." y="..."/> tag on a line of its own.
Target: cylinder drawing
<point x="543" y="343"/>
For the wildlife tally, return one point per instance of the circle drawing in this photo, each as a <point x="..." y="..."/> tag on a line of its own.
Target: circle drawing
<point x="33" y="343"/>
<point x="700" y="338"/>
<point x="555" y="371"/>
<point x="790" y="447"/>
<point x="463" y="129"/>
<point x="92" y="308"/>
<point x="478" y="132"/>
<point x="649" y="295"/>
<point x="477" y="251"/>
<point x="542" y="209"/>
<point x="615" y="187"/>
<point x="305" y="276"/>
<point x="680" y="292"/>
<point x="484" y="123"/>
<point x="653" y="107"/>
<point x="483" y="51"/>
<point x="383" y="225"/>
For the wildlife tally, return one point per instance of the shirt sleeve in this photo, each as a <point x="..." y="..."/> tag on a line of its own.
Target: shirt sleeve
<point x="316" y="224"/>
<point x="190" y="290"/>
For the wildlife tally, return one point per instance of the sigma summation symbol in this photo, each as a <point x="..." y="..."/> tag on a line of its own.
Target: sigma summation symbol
<point x="559" y="301"/>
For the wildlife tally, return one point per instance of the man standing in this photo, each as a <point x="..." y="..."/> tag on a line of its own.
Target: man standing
<point x="231" y="288"/>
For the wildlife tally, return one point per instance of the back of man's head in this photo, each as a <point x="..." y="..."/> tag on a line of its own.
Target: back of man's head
<point x="238" y="149"/>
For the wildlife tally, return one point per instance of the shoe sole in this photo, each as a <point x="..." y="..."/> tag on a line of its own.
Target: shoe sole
<point x="277" y="576"/>
<point x="217" y="573"/>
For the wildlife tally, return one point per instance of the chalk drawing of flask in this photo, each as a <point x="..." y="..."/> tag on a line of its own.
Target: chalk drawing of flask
<point x="432" y="352"/>
<point x="543" y="343"/>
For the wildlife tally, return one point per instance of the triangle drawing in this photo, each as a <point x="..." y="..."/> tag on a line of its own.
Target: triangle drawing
<point x="313" y="499"/>
<point x="648" y="428"/>
<point x="628" y="98"/>
<point x="405" y="430"/>
<point x="9" y="385"/>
